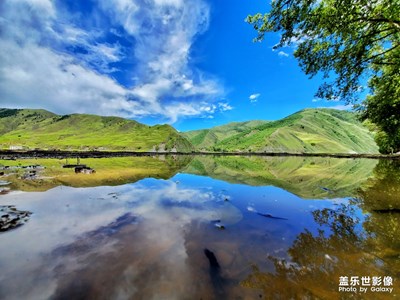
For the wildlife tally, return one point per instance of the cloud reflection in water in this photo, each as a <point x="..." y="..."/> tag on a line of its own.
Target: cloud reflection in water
<point x="109" y="242"/>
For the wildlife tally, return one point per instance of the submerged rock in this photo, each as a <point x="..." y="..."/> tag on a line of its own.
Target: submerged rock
<point x="11" y="218"/>
<point x="212" y="259"/>
<point x="252" y="209"/>
<point x="219" y="226"/>
<point x="84" y="170"/>
<point x="4" y="191"/>
<point x="217" y="280"/>
<point x="30" y="175"/>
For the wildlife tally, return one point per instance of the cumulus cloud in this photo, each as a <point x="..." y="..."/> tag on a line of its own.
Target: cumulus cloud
<point x="36" y="77"/>
<point x="202" y="109"/>
<point x="254" y="97"/>
<point x="48" y="59"/>
<point x="224" y="106"/>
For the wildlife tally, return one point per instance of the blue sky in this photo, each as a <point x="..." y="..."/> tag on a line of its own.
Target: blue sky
<point x="189" y="63"/>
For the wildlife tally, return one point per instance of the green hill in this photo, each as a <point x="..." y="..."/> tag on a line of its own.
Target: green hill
<point x="37" y="128"/>
<point x="207" y="138"/>
<point x="309" y="131"/>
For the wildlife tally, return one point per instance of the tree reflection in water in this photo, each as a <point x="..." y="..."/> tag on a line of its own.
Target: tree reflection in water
<point x="346" y="244"/>
<point x="381" y="200"/>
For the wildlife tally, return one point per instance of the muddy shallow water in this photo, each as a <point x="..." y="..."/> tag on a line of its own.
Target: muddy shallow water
<point x="213" y="228"/>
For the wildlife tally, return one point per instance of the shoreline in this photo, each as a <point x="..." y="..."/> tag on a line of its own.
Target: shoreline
<point x="18" y="154"/>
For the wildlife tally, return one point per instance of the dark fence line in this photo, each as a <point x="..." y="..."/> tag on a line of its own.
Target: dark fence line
<point x="15" y="154"/>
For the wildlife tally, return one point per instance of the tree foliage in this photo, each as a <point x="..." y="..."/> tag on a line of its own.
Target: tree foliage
<point x="356" y="40"/>
<point x="382" y="107"/>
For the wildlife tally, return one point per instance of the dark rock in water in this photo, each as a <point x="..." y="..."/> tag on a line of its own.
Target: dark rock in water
<point x="219" y="226"/>
<point x="211" y="258"/>
<point x="12" y="218"/>
<point x="74" y="166"/>
<point x="84" y="170"/>
<point x="4" y="191"/>
<point x="35" y="167"/>
<point x="32" y="172"/>
<point x="29" y="175"/>
<point x="217" y="223"/>
<point x="217" y="280"/>
<point x="252" y="209"/>
<point x="270" y="216"/>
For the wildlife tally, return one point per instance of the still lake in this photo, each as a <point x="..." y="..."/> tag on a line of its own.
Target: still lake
<point x="201" y="227"/>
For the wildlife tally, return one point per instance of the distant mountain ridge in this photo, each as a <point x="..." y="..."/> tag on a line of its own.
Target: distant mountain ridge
<point x="38" y="128"/>
<point x="306" y="131"/>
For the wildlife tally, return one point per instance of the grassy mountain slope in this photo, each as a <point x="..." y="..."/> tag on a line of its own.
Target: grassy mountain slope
<point x="206" y="138"/>
<point x="309" y="130"/>
<point x="33" y="128"/>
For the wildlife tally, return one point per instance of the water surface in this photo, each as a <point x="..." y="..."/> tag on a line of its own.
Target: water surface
<point x="201" y="228"/>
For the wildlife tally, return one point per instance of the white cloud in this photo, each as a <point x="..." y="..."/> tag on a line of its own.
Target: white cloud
<point x="69" y="88"/>
<point x="164" y="31"/>
<point x="283" y="54"/>
<point x="39" y="69"/>
<point x="93" y="54"/>
<point x="254" y="97"/>
<point x="224" y="106"/>
<point x="204" y="109"/>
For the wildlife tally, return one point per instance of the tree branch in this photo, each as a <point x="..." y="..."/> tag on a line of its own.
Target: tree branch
<point x="383" y="63"/>
<point x="395" y="23"/>
<point x="380" y="54"/>
<point x="382" y="37"/>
